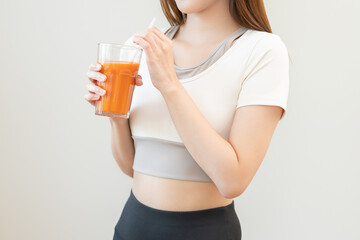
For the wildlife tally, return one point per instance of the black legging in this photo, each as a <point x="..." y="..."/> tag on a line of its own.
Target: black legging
<point x="141" y="222"/>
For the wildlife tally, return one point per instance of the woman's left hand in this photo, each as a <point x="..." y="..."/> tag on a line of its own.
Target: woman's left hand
<point x="159" y="57"/>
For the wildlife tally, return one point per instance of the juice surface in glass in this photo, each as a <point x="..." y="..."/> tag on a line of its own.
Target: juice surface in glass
<point x="119" y="86"/>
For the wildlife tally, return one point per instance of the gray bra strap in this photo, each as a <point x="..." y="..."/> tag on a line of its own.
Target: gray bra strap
<point x="216" y="53"/>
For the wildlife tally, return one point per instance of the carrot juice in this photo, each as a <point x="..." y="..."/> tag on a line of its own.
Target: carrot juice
<point x="119" y="86"/>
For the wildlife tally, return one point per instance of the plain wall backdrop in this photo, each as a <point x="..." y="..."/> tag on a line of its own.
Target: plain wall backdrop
<point x="58" y="179"/>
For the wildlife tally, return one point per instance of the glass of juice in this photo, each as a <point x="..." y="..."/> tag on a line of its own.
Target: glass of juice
<point x="120" y="63"/>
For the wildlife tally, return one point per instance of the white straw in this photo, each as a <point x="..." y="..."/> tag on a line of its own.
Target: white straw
<point x="150" y="26"/>
<point x="152" y="23"/>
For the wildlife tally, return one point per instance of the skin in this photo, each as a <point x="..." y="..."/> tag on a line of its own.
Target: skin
<point x="231" y="163"/>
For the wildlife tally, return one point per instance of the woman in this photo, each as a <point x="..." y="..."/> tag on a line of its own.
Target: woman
<point x="215" y="87"/>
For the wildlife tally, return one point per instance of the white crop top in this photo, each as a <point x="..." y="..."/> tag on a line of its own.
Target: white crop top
<point x="253" y="71"/>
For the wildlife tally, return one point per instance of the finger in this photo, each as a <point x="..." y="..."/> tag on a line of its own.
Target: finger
<point x="95" y="67"/>
<point x="95" y="89"/>
<point x="96" y="76"/>
<point x="155" y="35"/>
<point x="138" y="80"/>
<point x="91" y="97"/>
<point x="92" y="102"/>
<point x="154" y="41"/>
<point x="160" y="34"/>
<point x="150" y="37"/>
<point x="144" y="44"/>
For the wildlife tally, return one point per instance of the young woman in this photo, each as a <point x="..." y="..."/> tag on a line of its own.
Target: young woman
<point x="213" y="89"/>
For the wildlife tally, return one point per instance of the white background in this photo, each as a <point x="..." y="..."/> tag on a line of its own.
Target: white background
<point x="58" y="179"/>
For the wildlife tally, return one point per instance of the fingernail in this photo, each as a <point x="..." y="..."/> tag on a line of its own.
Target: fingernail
<point x="102" y="92"/>
<point x="135" y="39"/>
<point x="102" y="77"/>
<point x="98" y="66"/>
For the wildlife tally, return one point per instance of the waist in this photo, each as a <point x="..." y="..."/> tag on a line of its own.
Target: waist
<point x="176" y="195"/>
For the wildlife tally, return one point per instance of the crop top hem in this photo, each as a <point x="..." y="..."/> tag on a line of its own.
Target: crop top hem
<point x="159" y="139"/>
<point x="169" y="176"/>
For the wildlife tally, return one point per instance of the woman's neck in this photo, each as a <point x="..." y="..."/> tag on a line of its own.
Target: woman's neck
<point x="212" y="24"/>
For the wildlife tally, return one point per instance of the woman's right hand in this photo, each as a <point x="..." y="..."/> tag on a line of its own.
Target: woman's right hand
<point x="95" y="91"/>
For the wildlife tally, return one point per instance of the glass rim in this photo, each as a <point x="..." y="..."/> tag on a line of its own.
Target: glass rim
<point x="120" y="45"/>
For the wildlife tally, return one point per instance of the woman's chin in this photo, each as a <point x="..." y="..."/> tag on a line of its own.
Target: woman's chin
<point x="190" y="6"/>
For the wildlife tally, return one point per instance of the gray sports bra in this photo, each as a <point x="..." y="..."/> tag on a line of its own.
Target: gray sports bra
<point x="216" y="53"/>
<point x="167" y="159"/>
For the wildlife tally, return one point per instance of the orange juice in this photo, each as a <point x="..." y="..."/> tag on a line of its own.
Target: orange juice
<point x="119" y="86"/>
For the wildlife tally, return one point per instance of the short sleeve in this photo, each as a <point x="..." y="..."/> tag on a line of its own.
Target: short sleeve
<point x="266" y="79"/>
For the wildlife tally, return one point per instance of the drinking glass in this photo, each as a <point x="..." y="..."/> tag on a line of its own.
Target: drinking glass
<point x="120" y="63"/>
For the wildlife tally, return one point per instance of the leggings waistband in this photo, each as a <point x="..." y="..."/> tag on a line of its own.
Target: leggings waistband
<point x="197" y="217"/>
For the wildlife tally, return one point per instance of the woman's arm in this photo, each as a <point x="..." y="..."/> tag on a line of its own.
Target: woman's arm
<point x="230" y="163"/>
<point x="122" y="144"/>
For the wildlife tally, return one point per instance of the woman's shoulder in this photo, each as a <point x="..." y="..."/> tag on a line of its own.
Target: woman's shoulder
<point x="266" y="40"/>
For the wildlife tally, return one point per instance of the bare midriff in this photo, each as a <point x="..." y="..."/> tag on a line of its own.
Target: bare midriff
<point x="176" y="195"/>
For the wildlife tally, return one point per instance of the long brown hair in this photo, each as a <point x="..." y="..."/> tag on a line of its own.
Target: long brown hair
<point x="248" y="13"/>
